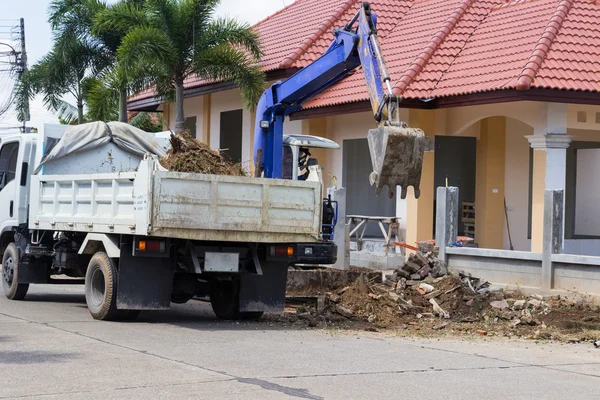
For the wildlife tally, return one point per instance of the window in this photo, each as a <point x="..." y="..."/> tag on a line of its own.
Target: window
<point x="581" y="191"/>
<point x="8" y="163"/>
<point x="231" y="134"/>
<point x="581" y="116"/>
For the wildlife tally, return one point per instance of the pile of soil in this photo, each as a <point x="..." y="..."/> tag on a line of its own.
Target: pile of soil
<point x="188" y="154"/>
<point x="454" y="304"/>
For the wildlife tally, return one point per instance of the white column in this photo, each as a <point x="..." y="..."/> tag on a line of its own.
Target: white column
<point x="549" y="173"/>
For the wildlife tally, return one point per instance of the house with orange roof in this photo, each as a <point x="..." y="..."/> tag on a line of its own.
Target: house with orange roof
<point x="508" y="88"/>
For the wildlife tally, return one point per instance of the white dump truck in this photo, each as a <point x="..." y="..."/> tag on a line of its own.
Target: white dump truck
<point x="92" y="205"/>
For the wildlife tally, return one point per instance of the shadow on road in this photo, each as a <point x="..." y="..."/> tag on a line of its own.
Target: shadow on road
<point x="34" y="357"/>
<point x="195" y="314"/>
<point x="77" y="298"/>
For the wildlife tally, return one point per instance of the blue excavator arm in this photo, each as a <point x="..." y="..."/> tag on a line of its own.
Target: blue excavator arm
<point x="356" y="44"/>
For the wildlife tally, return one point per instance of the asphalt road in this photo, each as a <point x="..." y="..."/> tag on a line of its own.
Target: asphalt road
<point x="50" y="348"/>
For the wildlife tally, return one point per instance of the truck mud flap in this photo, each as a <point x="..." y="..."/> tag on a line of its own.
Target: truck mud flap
<point x="144" y="283"/>
<point x="264" y="292"/>
<point x="33" y="271"/>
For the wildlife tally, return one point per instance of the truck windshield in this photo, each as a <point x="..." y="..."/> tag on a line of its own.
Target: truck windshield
<point x="8" y="163"/>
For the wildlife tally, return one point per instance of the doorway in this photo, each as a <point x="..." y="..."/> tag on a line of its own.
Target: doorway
<point x="360" y="195"/>
<point x="455" y="163"/>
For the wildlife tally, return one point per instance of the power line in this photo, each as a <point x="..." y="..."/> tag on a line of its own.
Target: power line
<point x="13" y="65"/>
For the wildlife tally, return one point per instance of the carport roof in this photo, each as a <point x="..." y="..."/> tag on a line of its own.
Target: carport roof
<point x="438" y="49"/>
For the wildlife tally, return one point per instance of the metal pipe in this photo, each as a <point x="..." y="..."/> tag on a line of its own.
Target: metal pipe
<point x="352" y="21"/>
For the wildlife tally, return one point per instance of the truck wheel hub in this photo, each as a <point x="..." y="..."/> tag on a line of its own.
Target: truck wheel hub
<point x="8" y="272"/>
<point x="98" y="288"/>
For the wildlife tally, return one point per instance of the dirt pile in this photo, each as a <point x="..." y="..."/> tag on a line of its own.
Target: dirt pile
<point x="446" y="302"/>
<point x="188" y="154"/>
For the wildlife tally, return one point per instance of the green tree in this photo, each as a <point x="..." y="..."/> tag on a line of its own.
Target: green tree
<point x="75" y="18"/>
<point x="167" y="41"/>
<point x="62" y="71"/>
<point x="72" y="66"/>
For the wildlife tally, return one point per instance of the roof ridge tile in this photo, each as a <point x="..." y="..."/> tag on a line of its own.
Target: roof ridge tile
<point x="438" y="38"/>
<point x="527" y="76"/>
<point x="292" y="57"/>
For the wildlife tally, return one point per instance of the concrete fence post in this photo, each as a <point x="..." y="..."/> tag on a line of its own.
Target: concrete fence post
<point x="446" y="219"/>
<point x="341" y="238"/>
<point x="553" y="233"/>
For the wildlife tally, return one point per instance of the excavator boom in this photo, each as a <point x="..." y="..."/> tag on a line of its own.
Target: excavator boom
<point x="396" y="151"/>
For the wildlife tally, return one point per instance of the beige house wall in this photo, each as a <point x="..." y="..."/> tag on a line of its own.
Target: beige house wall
<point x="516" y="185"/>
<point x="520" y="119"/>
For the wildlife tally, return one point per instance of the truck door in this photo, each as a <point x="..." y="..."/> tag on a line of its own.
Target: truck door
<point x="9" y="152"/>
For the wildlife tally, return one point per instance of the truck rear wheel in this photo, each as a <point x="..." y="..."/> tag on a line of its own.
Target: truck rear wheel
<point x="225" y="300"/>
<point x="101" y="287"/>
<point x="10" y="274"/>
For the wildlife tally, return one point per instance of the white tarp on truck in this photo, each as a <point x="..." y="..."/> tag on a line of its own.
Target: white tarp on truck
<point x="94" y="135"/>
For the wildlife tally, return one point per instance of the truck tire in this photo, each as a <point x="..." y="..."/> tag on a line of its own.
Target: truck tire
<point x="225" y="301"/>
<point x="10" y="274"/>
<point x="101" y="288"/>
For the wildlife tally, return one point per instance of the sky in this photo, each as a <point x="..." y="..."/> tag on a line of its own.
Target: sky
<point x="38" y="37"/>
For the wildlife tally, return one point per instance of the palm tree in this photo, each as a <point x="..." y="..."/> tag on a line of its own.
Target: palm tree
<point x="75" y="18"/>
<point x="62" y="71"/>
<point x="167" y="41"/>
<point x="72" y="66"/>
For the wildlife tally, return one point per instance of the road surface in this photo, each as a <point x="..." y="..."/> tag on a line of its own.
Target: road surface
<point x="50" y="348"/>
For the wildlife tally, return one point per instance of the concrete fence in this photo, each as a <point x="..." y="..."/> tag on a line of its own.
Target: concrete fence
<point x="546" y="273"/>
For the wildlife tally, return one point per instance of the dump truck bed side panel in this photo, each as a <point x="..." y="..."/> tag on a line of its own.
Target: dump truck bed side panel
<point x="247" y="209"/>
<point x="178" y="205"/>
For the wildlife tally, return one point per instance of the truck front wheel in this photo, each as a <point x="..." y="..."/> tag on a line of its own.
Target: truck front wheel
<point x="10" y="274"/>
<point x="101" y="287"/>
<point x="225" y="300"/>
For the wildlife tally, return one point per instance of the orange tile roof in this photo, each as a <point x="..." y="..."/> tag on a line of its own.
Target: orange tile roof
<point x="439" y="48"/>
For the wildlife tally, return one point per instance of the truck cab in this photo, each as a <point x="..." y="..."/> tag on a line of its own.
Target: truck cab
<point x="77" y="203"/>
<point x="17" y="157"/>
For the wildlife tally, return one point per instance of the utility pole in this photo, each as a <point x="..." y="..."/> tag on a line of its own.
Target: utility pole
<point x="23" y="68"/>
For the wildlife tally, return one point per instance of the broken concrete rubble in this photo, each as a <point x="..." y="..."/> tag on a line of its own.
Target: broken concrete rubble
<point x="500" y="305"/>
<point x="518" y="305"/>
<point x="468" y="302"/>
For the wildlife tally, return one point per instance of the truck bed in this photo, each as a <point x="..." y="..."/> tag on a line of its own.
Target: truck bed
<point x="156" y="202"/>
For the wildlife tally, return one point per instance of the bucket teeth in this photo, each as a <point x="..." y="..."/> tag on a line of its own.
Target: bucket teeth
<point x="397" y="158"/>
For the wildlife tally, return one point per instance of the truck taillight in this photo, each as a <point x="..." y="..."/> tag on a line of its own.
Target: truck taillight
<point x="282" y="251"/>
<point x="155" y="246"/>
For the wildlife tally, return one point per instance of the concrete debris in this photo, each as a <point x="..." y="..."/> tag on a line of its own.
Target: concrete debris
<point x="534" y="304"/>
<point x="500" y="305"/>
<point x="425" y="288"/>
<point x="343" y="311"/>
<point x="422" y="267"/>
<point x="393" y="296"/>
<point x="464" y="300"/>
<point x="518" y="305"/>
<point x="334" y="298"/>
<point x="401" y="286"/>
<point x="439" y="311"/>
<point x="527" y="319"/>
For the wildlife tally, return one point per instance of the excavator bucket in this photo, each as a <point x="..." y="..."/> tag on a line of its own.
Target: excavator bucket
<point x="397" y="158"/>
